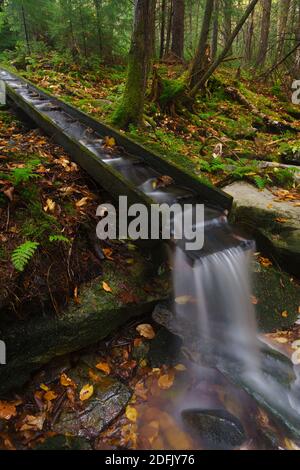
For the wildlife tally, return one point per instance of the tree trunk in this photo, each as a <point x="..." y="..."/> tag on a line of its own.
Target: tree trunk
<point x="169" y="30"/>
<point x="83" y="30"/>
<point x="249" y="40"/>
<point x="284" y="8"/>
<point x="215" y="35"/>
<point x="25" y="28"/>
<point x="201" y="58"/>
<point x="265" y="31"/>
<point x="131" y="108"/>
<point x="97" y="4"/>
<point x="296" y="70"/>
<point x="227" y="22"/>
<point x="163" y="28"/>
<point x="226" y="49"/>
<point x="178" y="28"/>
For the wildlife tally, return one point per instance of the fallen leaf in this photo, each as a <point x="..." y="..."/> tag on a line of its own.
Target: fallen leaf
<point x="104" y="367"/>
<point x="140" y="391"/>
<point x="50" y="206"/>
<point x="108" y="253"/>
<point x="106" y="287"/>
<point x="183" y="299"/>
<point x="166" y="381"/>
<point x="50" y="396"/>
<point x="296" y="344"/>
<point x="33" y="423"/>
<point x="109" y="142"/>
<point x="296" y="357"/>
<point x="281" y="340"/>
<point x="7" y="410"/>
<point x="66" y="381"/>
<point x="146" y="331"/>
<point x="86" y="392"/>
<point x="285" y="314"/>
<point x="254" y="300"/>
<point x="265" y="262"/>
<point x="180" y="368"/>
<point x="9" y="193"/>
<point x="83" y="202"/>
<point x="44" y="387"/>
<point x="131" y="414"/>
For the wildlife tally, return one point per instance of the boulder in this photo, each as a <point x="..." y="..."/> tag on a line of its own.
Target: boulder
<point x="33" y="342"/>
<point x="216" y="429"/>
<point x="274" y="224"/>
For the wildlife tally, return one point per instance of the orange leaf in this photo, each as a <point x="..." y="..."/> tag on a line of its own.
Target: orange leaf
<point x="7" y="410"/>
<point x="106" y="287"/>
<point x="166" y="381"/>
<point x="104" y="367"/>
<point x="66" y="381"/>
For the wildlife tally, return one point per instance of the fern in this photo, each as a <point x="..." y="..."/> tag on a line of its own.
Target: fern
<point x="58" y="238"/>
<point x="260" y="182"/>
<point x="22" y="175"/>
<point x="23" y="254"/>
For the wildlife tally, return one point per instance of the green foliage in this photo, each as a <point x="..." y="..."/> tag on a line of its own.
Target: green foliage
<point x="171" y="90"/>
<point x="59" y="238"/>
<point x="23" y="254"/>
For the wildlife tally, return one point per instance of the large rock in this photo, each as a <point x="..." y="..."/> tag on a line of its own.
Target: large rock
<point x="216" y="429"/>
<point x="87" y="419"/>
<point x="274" y="224"/>
<point x="33" y="342"/>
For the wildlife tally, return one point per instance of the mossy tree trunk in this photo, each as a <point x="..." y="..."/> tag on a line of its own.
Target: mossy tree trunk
<point x="131" y="108"/>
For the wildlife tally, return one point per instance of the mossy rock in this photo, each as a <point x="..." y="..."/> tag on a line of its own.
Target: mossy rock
<point x="34" y="342"/>
<point x="274" y="224"/>
<point x="278" y="297"/>
<point x="61" y="442"/>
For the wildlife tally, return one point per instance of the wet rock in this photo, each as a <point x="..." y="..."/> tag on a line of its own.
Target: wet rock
<point x="36" y="341"/>
<point x="64" y="443"/>
<point x="216" y="429"/>
<point x="278" y="373"/>
<point x="164" y="349"/>
<point x="274" y="224"/>
<point x="276" y="293"/>
<point x="90" y="417"/>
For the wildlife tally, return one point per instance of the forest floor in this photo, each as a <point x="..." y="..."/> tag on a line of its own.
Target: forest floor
<point x="221" y="141"/>
<point x="47" y="197"/>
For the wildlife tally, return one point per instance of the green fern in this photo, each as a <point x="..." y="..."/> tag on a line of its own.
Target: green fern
<point x="260" y="182"/>
<point x="23" y="254"/>
<point x="58" y="238"/>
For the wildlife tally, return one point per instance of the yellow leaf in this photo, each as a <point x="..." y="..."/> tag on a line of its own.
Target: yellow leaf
<point x="285" y="314"/>
<point x="183" y="299"/>
<point x="281" y="340"/>
<point x="109" y="142"/>
<point x="44" y="387"/>
<point x="180" y="368"/>
<point x="50" y="206"/>
<point x="104" y="367"/>
<point x="166" y="381"/>
<point x="83" y="202"/>
<point x="86" y="392"/>
<point x="146" y="331"/>
<point x="131" y="414"/>
<point x="66" y="381"/>
<point x="106" y="287"/>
